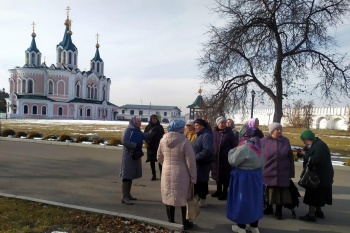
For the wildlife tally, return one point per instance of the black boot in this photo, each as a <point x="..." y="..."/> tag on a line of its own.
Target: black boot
<point x="153" y="168"/>
<point x="218" y="190"/>
<point x="278" y="213"/>
<point x="223" y="196"/>
<point x="268" y="210"/>
<point x="170" y="211"/>
<point x="187" y="224"/>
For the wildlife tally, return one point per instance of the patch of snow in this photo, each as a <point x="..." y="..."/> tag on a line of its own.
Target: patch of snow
<point x="23" y="137"/>
<point x="37" y="138"/>
<point x="83" y="142"/>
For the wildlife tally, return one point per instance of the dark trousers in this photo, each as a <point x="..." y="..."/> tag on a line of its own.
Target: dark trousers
<point x="153" y="167"/>
<point x="253" y="224"/>
<point x="201" y="189"/>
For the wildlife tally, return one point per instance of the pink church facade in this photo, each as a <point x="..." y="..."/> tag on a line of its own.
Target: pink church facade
<point x="62" y="90"/>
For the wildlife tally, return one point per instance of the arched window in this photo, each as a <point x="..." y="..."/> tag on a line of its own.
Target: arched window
<point x="93" y="65"/>
<point x="77" y="90"/>
<point x="43" y="110"/>
<point x="38" y="59"/>
<point x="63" y="57"/>
<point x="30" y="86"/>
<point x="33" y="59"/>
<point x="24" y="86"/>
<point x="99" y="113"/>
<point x="92" y="92"/>
<point x="51" y="87"/>
<point x="81" y="112"/>
<point x="60" y="111"/>
<point x="104" y="93"/>
<point x="60" y="87"/>
<point x="69" y="57"/>
<point x="75" y="59"/>
<point x="27" y="58"/>
<point x="88" y="92"/>
<point x="25" y="109"/>
<point x="88" y="112"/>
<point x="95" y="93"/>
<point x="98" y="67"/>
<point x="11" y="86"/>
<point x="105" y="113"/>
<point x="35" y="110"/>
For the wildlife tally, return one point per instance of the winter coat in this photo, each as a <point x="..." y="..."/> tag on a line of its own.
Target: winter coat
<point x="176" y="155"/>
<point x="279" y="161"/>
<point x="244" y="157"/>
<point x="191" y="135"/>
<point x="258" y="133"/>
<point x="153" y="142"/>
<point x="223" y="142"/>
<point x="129" y="168"/>
<point x="321" y="157"/>
<point x="203" y="150"/>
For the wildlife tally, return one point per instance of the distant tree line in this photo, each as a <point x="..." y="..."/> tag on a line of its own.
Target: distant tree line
<point x="3" y="95"/>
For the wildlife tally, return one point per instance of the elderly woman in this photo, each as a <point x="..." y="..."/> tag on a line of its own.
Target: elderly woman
<point x="254" y="124"/>
<point x="203" y="150"/>
<point x="223" y="142"/>
<point x="244" y="201"/>
<point x="320" y="156"/>
<point x="231" y="124"/>
<point x="176" y="155"/>
<point x="279" y="169"/>
<point x="190" y="131"/>
<point x="153" y="143"/>
<point x="131" y="168"/>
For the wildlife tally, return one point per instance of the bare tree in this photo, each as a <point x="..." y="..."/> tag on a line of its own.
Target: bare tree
<point x="298" y="115"/>
<point x="271" y="45"/>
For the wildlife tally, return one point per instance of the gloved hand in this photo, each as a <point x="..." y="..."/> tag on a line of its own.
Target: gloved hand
<point x="138" y="145"/>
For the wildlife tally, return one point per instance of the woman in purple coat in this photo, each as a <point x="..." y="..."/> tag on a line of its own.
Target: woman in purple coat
<point x="223" y="142"/>
<point x="279" y="169"/>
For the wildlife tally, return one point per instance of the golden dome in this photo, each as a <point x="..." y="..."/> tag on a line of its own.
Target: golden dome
<point x="200" y="91"/>
<point x="33" y="34"/>
<point x="97" y="45"/>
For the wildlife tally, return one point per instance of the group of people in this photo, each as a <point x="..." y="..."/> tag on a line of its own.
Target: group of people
<point x="239" y="162"/>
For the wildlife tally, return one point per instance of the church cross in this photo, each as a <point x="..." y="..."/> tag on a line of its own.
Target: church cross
<point x="97" y="35"/>
<point x="33" y="26"/>
<point x="68" y="9"/>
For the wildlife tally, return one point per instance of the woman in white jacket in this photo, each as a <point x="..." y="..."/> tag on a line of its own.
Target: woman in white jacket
<point x="176" y="155"/>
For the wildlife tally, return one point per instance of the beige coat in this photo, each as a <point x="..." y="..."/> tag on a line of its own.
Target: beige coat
<point x="176" y="155"/>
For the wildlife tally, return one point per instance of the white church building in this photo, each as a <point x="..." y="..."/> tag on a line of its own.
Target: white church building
<point x="61" y="90"/>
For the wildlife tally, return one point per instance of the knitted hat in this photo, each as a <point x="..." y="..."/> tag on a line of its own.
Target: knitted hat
<point x="201" y="122"/>
<point x="274" y="126"/>
<point x="177" y="125"/>
<point x="307" y="135"/>
<point x="219" y="119"/>
<point x="190" y="122"/>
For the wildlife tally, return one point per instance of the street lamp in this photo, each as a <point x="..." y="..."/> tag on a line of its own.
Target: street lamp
<point x="253" y="95"/>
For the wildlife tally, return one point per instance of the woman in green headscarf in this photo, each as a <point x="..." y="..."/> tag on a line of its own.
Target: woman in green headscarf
<point x="319" y="154"/>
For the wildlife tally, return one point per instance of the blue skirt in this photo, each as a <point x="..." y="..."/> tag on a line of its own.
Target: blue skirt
<point x="245" y="196"/>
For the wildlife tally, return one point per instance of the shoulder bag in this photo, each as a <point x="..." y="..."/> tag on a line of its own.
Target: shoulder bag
<point x="309" y="178"/>
<point x="192" y="205"/>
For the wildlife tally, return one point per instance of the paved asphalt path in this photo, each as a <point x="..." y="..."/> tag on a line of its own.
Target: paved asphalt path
<point x="89" y="177"/>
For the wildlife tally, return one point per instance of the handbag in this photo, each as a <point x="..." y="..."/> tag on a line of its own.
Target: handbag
<point x="309" y="178"/>
<point x="136" y="154"/>
<point x="192" y="205"/>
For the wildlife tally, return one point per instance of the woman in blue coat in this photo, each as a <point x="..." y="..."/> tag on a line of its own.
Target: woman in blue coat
<point x="245" y="196"/>
<point x="203" y="149"/>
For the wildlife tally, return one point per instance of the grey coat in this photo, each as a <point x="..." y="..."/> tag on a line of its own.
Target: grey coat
<point x="131" y="169"/>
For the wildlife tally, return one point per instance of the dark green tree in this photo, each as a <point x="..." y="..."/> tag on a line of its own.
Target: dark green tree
<point x="3" y="95"/>
<point x="272" y="46"/>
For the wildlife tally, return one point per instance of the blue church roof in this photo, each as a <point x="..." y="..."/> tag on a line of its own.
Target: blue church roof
<point x="33" y="47"/>
<point x="67" y="43"/>
<point x="97" y="55"/>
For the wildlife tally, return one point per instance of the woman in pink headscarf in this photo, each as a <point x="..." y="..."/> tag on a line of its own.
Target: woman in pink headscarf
<point x="254" y="125"/>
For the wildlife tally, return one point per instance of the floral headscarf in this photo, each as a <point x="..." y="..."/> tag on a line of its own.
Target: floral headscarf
<point x="176" y="125"/>
<point x="246" y="138"/>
